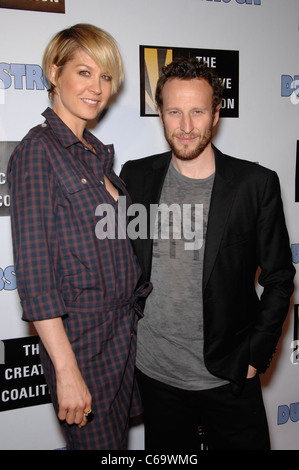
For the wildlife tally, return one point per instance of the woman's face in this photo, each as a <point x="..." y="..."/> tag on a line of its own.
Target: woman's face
<point x="82" y="91"/>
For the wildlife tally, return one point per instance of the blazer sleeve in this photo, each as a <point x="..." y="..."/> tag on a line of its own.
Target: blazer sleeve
<point x="276" y="277"/>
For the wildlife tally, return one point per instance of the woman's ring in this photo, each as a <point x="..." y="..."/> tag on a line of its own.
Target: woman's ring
<point x="89" y="415"/>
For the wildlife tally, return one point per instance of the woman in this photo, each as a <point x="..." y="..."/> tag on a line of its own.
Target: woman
<point x="79" y="291"/>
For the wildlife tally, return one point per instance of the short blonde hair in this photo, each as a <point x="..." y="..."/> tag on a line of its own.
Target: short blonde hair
<point x="97" y="43"/>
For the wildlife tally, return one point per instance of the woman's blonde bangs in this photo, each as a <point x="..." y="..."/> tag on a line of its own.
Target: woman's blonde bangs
<point x="104" y="51"/>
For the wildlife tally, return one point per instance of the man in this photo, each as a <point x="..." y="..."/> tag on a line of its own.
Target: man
<point x="206" y="335"/>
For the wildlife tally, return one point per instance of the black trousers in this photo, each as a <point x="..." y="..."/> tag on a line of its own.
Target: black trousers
<point x="174" y="418"/>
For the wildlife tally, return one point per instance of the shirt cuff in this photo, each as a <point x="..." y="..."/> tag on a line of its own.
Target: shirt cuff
<point x="43" y="307"/>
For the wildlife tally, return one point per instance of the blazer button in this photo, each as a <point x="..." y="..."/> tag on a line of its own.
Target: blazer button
<point x="83" y="181"/>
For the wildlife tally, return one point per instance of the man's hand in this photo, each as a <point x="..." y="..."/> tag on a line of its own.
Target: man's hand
<point x="251" y="372"/>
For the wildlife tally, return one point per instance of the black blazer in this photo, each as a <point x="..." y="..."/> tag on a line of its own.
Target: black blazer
<point x="246" y="232"/>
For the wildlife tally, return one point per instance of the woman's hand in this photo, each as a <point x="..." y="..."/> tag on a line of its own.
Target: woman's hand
<point x="74" y="399"/>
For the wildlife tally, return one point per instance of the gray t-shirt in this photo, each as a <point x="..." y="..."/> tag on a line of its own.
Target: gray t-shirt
<point x="170" y="336"/>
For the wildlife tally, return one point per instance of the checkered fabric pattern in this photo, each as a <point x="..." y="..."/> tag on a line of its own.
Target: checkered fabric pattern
<point x="64" y="270"/>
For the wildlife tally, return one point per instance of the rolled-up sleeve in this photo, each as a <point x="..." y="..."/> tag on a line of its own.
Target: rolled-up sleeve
<point x="33" y="193"/>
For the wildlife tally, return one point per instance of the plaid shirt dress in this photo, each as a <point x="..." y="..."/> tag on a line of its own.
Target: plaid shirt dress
<point x="64" y="269"/>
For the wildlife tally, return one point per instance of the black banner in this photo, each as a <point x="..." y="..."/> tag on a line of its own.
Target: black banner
<point x="297" y="174"/>
<point x="225" y="63"/>
<point x="6" y="149"/>
<point x="22" y="382"/>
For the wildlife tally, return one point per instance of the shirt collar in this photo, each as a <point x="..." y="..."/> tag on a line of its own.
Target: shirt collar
<point x="61" y="130"/>
<point x="68" y="138"/>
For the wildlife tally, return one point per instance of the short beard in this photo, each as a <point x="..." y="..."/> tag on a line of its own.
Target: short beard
<point x="185" y="154"/>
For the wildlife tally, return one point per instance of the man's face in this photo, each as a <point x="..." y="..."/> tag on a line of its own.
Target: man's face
<point x="187" y="116"/>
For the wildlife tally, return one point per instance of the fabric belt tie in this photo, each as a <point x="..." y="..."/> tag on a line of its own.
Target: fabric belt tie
<point x="140" y="293"/>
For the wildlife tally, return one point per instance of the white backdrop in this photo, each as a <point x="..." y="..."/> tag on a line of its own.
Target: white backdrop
<point x="265" y="32"/>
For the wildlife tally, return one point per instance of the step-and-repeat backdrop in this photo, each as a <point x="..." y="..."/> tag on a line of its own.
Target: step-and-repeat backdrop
<point x="254" y="46"/>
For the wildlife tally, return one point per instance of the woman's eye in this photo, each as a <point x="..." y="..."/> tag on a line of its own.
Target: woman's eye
<point x="107" y="77"/>
<point x="84" y="73"/>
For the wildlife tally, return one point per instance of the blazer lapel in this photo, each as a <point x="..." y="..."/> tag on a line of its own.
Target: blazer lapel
<point x="154" y="179"/>
<point x="222" y="198"/>
<point x="152" y="187"/>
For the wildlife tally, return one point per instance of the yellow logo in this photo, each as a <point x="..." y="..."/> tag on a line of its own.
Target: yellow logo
<point x="154" y="60"/>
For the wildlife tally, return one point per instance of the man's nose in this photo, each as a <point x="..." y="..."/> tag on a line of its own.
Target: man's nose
<point x="187" y="124"/>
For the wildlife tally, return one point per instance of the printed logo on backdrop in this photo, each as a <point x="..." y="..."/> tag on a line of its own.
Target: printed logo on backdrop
<point x="6" y="149"/>
<point x="295" y="252"/>
<point x="51" y="6"/>
<point x="22" y="381"/>
<point x="290" y="88"/>
<point x="290" y="412"/>
<point x="226" y="64"/>
<point x="8" y="280"/>
<point x="287" y="413"/>
<point x="22" y="76"/>
<point x="240" y="2"/>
